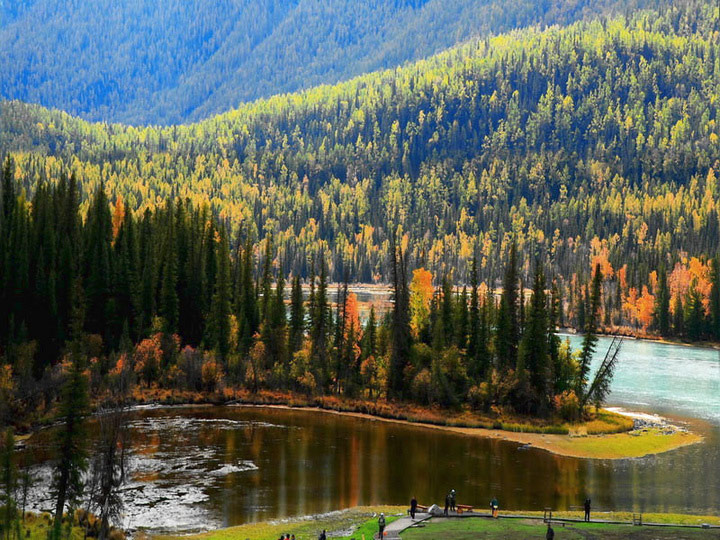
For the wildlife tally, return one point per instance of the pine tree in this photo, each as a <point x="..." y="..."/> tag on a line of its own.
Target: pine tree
<point x="678" y="317"/>
<point x="248" y="306"/>
<point x="98" y="270"/>
<point x="320" y="328"/>
<point x="169" y="303"/>
<point x="218" y="327"/>
<point x="715" y="299"/>
<point x="71" y="438"/>
<point x="695" y="314"/>
<point x="368" y="345"/>
<point x="297" y="318"/>
<point x="447" y="311"/>
<point x="533" y="355"/>
<point x="473" y="324"/>
<point x="274" y="330"/>
<point x="461" y="320"/>
<point x="266" y="283"/>
<point x="661" y="314"/>
<point x="8" y="484"/>
<point x="507" y="333"/>
<point x="401" y="332"/>
<point x="590" y="338"/>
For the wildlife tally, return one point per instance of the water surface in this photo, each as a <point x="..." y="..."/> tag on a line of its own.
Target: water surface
<point x="205" y="467"/>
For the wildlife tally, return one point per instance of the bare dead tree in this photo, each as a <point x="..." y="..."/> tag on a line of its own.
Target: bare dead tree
<point x="109" y="468"/>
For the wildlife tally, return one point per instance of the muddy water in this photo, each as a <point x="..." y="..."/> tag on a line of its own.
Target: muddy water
<point x="199" y="468"/>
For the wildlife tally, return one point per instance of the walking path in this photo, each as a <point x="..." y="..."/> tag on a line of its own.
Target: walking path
<point x="393" y="530"/>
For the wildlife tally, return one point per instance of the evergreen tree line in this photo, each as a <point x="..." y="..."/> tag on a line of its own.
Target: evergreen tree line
<point x="164" y="299"/>
<point x="601" y="137"/>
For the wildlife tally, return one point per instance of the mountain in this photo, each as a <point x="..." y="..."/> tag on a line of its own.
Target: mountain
<point x="594" y="141"/>
<point x="169" y="61"/>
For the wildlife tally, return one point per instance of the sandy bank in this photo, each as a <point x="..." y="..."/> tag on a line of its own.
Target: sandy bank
<point x="633" y="444"/>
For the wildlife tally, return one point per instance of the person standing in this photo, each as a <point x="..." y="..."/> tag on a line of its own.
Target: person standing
<point x="322" y="536"/>
<point x="447" y="503"/>
<point x="381" y="525"/>
<point x="413" y="507"/>
<point x="494" y="504"/>
<point x="550" y="534"/>
<point x="587" y="509"/>
<point x="452" y="500"/>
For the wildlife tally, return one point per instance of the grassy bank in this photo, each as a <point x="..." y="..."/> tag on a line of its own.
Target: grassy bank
<point x="607" y="435"/>
<point x="362" y="521"/>
<point x="343" y="525"/>
<point x="600" y="423"/>
<point x="38" y="527"/>
<point x="474" y="528"/>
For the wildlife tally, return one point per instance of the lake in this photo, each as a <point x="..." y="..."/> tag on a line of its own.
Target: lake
<point x="205" y="467"/>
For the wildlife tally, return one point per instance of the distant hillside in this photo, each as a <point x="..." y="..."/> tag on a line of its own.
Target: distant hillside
<point x="169" y="61"/>
<point x="598" y="138"/>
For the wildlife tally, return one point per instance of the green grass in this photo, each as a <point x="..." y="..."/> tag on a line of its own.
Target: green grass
<point x="624" y="445"/>
<point x="679" y="519"/>
<point x="37" y="527"/>
<point x="480" y="528"/>
<point x="361" y="520"/>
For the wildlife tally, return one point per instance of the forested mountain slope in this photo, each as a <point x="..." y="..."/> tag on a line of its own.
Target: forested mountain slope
<point x="592" y="143"/>
<point x="167" y="61"/>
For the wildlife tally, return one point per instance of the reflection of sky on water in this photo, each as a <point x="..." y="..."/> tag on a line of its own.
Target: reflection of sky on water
<point x="196" y="468"/>
<point x="663" y="378"/>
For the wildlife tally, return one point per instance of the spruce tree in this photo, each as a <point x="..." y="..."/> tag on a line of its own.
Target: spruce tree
<point x="169" y="303"/>
<point x="218" y="328"/>
<point x="533" y="355"/>
<point x="715" y="299"/>
<point x="71" y="438"/>
<point x="98" y="270"/>
<point x="274" y="330"/>
<point x="507" y="333"/>
<point x="8" y="484"/>
<point x="590" y="338"/>
<point x="401" y="333"/>
<point x="368" y="345"/>
<point x="297" y="318"/>
<point x="320" y="330"/>
<point x="473" y="323"/>
<point x="695" y="314"/>
<point x="678" y="317"/>
<point x="661" y="315"/>
<point x="461" y="320"/>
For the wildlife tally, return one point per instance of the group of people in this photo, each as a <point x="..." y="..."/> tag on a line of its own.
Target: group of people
<point x="450" y="506"/>
<point x="450" y="502"/>
<point x="288" y="536"/>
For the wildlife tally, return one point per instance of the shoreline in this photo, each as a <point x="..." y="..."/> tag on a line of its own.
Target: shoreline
<point x="562" y="445"/>
<point x="639" y="435"/>
<point x="566" y="332"/>
<point x="355" y="521"/>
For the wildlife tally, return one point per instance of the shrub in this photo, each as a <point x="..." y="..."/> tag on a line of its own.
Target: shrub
<point x="480" y="396"/>
<point x="212" y="374"/>
<point x="567" y="405"/>
<point x="421" y="387"/>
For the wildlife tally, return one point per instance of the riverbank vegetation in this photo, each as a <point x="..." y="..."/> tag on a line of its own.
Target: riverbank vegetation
<point x="467" y="529"/>
<point x="355" y="522"/>
<point x="343" y="525"/>
<point x="163" y="301"/>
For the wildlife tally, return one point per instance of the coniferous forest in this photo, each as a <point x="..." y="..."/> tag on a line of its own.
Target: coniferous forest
<point x="170" y="61"/>
<point x="556" y="170"/>
<point x="512" y="185"/>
